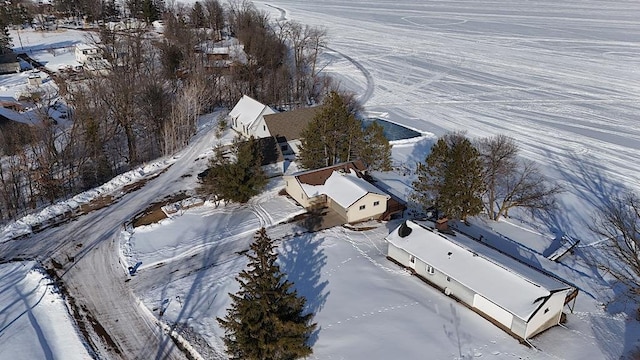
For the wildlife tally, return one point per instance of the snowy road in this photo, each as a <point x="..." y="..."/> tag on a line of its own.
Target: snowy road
<point x="86" y="255"/>
<point x="562" y="78"/>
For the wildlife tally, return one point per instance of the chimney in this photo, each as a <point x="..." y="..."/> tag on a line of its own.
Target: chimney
<point x="442" y="224"/>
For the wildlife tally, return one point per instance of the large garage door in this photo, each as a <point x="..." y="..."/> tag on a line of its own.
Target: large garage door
<point x="493" y="310"/>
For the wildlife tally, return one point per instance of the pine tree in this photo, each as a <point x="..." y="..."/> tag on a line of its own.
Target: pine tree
<point x="237" y="176"/>
<point x="330" y="136"/>
<point x="335" y="135"/>
<point x="197" y="15"/>
<point x="5" y="38"/>
<point x="375" y="149"/>
<point x="266" y="319"/>
<point x="451" y="178"/>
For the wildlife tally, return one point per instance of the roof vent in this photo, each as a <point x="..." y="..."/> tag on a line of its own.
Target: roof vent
<point x="404" y="230"/>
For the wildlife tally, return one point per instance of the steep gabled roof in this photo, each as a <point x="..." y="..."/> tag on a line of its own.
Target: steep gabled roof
<point x="510" y="284"/>
<point x="248" y="110"/>
<point x="288" y="125"/>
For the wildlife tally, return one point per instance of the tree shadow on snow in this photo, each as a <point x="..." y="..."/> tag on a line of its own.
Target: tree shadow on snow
<point x="586" y="179"/>
<point x="302" y="259"/>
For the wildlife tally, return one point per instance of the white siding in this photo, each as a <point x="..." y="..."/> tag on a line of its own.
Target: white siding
<point x="548" y="315"/>
<point x="294" y="190"/>
<point x="259" y="128"/>
<point x="354" y="213"/>
<point x="492" y="310"/>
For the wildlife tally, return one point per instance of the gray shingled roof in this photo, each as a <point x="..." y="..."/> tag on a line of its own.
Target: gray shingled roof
<point x="288" y="125"/>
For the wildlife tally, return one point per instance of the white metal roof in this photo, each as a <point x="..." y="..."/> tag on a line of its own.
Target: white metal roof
<point x="85" y="46"/>
<point x="343" y="188"/>
<point x="508" y="283"/>
<point x="248" y="110"/>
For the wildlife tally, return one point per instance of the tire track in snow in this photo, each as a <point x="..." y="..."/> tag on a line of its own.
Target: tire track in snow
<point x="283" y="12"/>
<point x="370" y="83"/>
<point x="369" y="78"/>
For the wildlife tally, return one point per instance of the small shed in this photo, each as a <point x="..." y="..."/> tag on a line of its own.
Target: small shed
<point x="518" y="298"/>
<point x="9" y="63"/>
<point x="247" y="117"/>
<point x="341" y="188"/>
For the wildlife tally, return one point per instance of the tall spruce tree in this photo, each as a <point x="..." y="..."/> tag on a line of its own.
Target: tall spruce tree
<point x="331" y="136"/>
<point x="238" y="175"/>
<point x="266" y="320"/>
<point x="451" y="178"/>
<point x="335" y="135"/>
<point x="375" y="149"/>
<point x="5" y="37"/>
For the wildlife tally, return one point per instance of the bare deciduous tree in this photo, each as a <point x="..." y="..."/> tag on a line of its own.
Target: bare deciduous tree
<point x="511" y="182"/>
<point x="619" y="223"/>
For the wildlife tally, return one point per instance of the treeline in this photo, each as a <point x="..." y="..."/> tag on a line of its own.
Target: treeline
<point x="146" y="103"/>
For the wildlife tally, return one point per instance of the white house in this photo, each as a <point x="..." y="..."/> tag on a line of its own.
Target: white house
<point x="86" y="53"/>
<point x="340" y="188"/>
<point x="514" y="296"/>
<point x="247" y="117"/>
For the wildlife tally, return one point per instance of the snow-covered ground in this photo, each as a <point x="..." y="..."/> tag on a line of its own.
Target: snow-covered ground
<point x="561" y="78"/>
<point x="35" y="323"/>
<point x="54" y="49"/>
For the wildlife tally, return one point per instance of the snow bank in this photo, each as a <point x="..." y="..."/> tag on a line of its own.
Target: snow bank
<point x="35" y="323"/>
<point x="64" y="210"/>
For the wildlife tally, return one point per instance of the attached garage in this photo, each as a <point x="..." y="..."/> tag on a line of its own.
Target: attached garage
<point x="514" y="296"/>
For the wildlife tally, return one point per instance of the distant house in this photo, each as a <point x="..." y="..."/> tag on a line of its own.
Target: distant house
<point x="341" y="188"/>
<point x="247" y="117"/>
<point x="514" y="296"/>
<point x="86" y="53"/>
<point x="287" y="126"/>
<point x="9" y="63"/>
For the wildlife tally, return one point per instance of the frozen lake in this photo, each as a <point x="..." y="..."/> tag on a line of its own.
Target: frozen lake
<point x="562" y="78"/>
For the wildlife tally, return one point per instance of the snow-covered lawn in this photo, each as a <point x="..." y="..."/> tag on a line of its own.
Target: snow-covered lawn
<point x="366" y="306"/>
<point x="34" y="322"/>
<point x="560" y="78"/>
<point x="54" y="49"/>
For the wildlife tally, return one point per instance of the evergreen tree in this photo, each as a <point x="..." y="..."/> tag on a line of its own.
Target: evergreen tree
<point x="451" y="179"/>
<point x="335" y="135"/>
<point x="375" y="149"/>
<point x="266" y="319"/>
<point x="331" y="135"/>
<point x="151" y="10"/>
<point x="5" y="38"/>
<point x="198" y="17"/>
<point x="237" y="176"/>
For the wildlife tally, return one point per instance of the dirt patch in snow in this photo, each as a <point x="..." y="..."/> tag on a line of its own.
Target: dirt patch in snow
<point x="154" y="212"/>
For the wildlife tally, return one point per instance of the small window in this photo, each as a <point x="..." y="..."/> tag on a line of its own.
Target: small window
<point x="448" y="278"/>
<point x="362" y="207"/>
<point x="264" y="127"/>
<point x="546" y="310"/>
<point x="284" y="147"/>
<point x="430" y="270"/>
<point x="376" y="203"/>
<point x="412" y="259"/>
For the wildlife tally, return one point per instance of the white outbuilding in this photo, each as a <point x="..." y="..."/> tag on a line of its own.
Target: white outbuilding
<point x="518" y="298"/>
